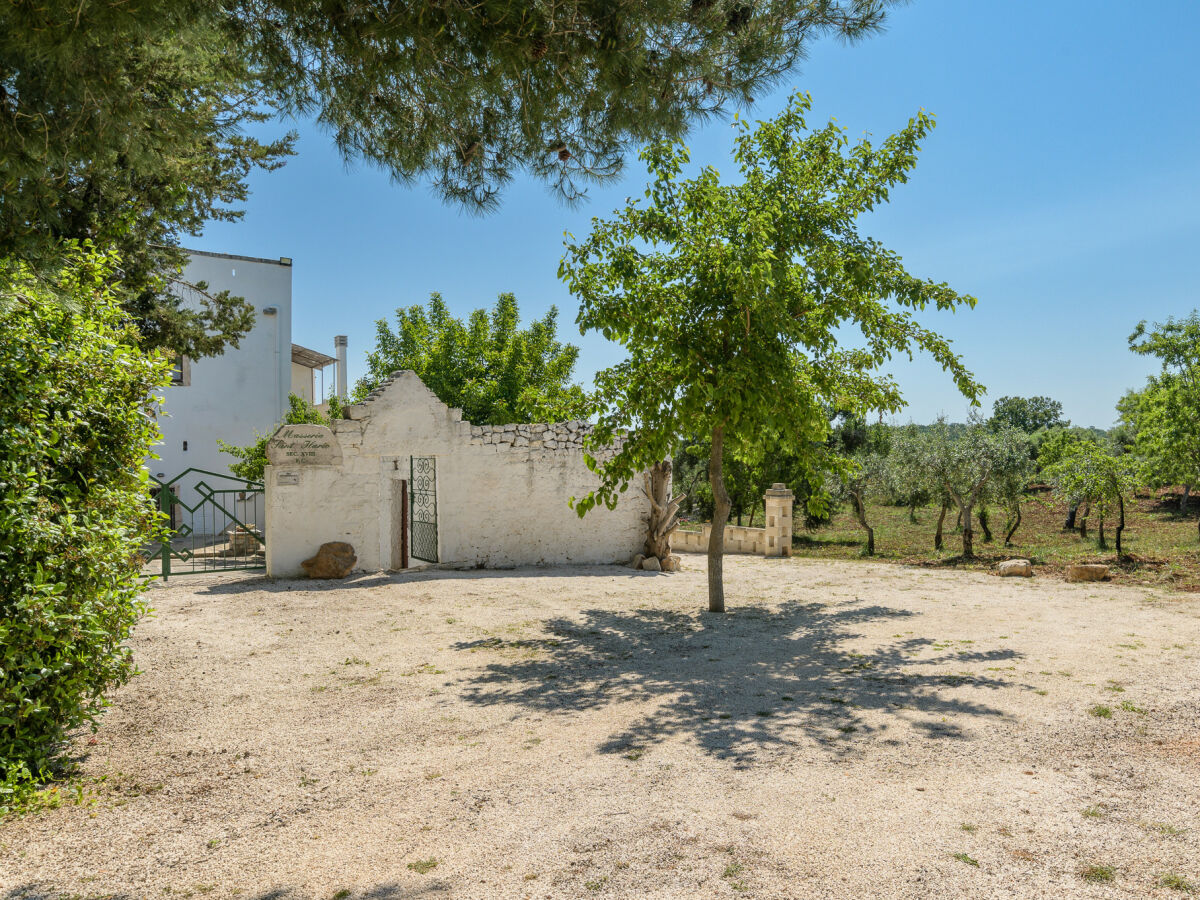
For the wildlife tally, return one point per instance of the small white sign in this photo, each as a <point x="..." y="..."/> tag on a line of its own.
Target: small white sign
<point x="287" y="478"/>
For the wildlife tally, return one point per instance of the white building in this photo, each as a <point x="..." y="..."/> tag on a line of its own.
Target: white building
<point x="245" y="390"/>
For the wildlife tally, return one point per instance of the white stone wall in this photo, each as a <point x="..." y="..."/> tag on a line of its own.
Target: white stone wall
<point x="502" y="491"/>
<point x="243" y="390"/>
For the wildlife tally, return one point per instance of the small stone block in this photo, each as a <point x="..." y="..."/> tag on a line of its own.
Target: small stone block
<point x="636" y="562"/>
<point x="670" y="564"/>
<point x="1016" y="568"/>
<point x="1086" y="572"/>
<point x="651" y="564"/>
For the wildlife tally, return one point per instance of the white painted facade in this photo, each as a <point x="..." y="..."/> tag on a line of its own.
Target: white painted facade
<point x="502" y="492"/>
<point x="244" y="391"/>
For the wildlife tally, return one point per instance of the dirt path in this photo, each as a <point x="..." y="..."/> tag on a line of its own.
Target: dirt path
<point x="843" y="732"/>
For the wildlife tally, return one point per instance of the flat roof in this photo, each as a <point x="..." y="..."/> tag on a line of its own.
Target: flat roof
<point x="313" y="359"/>
<point x="282" y="261"/>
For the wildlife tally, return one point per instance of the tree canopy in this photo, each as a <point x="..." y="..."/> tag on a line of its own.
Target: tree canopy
<point x="1028" y="414"/>
<point x="489" y="367"/>
<point x="125" y="123"/>
<point x="1165" y="415"/>
<point x="731" y="298"/>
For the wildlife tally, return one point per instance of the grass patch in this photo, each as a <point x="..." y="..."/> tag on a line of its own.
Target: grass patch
<point x="967" y="827"/>
<point x="1176" y="882"/>
<point x="1132" y="707"/>
<point x="1094" y="812"/>
<point x="1100" y="711"/>
<point x="1160" y="544"/>
<point x="964" y="858"/>
<point x="421" y="866"/>
<point x="1099" y="874"/>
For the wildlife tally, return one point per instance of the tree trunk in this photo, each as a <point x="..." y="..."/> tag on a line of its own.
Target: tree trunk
<point x="1183" y="501"/>
<point x="938" y="543"/>
<point x="1069" y="525"/>
<point x="1087" y="508"/>
<point x="912" y="513"/>
<point x="1102" y="544"/>
<point x="664" y="511"/>
<point x="1120" y="523"/>
<point x="958" y="522"/>
<point x="1016" y="523"/>
<point x="861" y="511"/>
<point x="968" y="534"/>
<point x="983" y="523"/>
<point x="716" y="540"/>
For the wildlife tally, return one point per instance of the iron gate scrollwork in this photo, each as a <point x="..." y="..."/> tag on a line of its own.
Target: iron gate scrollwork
<point x="423" y="500"/>
<point x="215" y="525"/>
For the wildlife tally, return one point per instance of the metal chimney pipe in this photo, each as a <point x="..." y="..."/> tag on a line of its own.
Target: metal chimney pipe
<point x="339" y="350"/>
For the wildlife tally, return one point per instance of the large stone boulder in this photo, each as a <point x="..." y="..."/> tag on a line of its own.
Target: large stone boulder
<point x="670" y="563"/>
<point x="636" y="562"/>
<point x="1016" y="568"/>
<point x="1086" y="572"/>
<point x="335" y="559"/>
<point x="651" y="564"/>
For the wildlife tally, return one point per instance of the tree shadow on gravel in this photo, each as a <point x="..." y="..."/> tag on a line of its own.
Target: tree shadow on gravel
<point x="42" y="890"/>
<point x="747" y="681"/>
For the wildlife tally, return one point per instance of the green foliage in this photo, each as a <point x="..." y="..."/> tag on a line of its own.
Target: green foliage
<point x="489" y="367"/>
<point x="730" y="300"/>
<point x="1028" y="414"/>
<point x="74" y="500"/>
<point x="967" y="466"/>
<point x="473" y="93"/>
<point x="122" y="123"/>
<point x="1091" y="473"/>
<point x="252" y="459"/>
<point x="1164" y="417"/>
<point x="125" y="123"/>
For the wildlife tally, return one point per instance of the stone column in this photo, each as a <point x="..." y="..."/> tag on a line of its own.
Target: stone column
<point x="778" y="508"/>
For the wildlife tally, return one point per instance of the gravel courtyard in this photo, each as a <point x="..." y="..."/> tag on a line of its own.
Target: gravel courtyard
<point x="848" y="730"/>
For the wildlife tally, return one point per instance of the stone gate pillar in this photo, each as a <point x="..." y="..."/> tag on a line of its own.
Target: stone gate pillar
<point x="778" y="508"/>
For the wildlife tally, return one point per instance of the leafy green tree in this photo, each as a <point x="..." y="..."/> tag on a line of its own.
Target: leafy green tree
<point x="906" y="474"/>
<point x="968" y="466"/>
<point x="730" y="299"/>
<point x="252" y="459"/>
<point x="1165" y="415"/>
<point x="1028" y="414"/>
<point x="124" y="124"/>
<point x="473" y="93"/>
<point x="866" y="477"/>
<point x="1092" y="473"/>
<point x="74" y="501"/>
<point x="489" y="367"/>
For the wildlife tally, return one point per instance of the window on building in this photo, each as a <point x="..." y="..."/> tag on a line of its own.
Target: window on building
<point x="181" y="370"/>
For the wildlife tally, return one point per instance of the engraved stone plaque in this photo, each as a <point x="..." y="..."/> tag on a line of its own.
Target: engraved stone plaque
<point x="304" y="445"/>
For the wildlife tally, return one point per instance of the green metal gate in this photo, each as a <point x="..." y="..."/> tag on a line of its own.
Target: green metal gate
<point x="216" y="525"/>
<point x="423" y="500"/>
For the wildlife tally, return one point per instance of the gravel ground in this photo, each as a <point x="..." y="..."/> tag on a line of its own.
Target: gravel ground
<point x="848" y="730"/>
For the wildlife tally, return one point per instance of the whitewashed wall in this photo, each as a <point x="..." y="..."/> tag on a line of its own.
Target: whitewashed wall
<point x="501" y="492"/>
<point x="242" y="390"/>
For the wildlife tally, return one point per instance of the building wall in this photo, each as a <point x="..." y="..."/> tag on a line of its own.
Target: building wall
<point x="502" y="494"/>
<point x="245" y="389"/>
<point x="302" y="382"/>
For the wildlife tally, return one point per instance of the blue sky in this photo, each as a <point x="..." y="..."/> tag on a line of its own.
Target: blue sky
<point x="1061" y="187"/>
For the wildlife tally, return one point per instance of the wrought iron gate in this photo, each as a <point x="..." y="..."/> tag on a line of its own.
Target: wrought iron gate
<point x="423" y="497"/>
<point x="216" y="525"/>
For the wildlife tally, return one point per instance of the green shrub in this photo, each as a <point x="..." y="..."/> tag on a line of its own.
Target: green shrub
<point x="75" y="427"/>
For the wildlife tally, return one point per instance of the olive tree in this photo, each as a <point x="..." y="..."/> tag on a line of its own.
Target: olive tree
<point x="1090" y="472"/>
<point x="969" y="465"/>
<point x="732" y="298"/>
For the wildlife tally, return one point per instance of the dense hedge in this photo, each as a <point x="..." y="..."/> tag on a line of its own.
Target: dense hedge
<point x="75" y="426"/>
